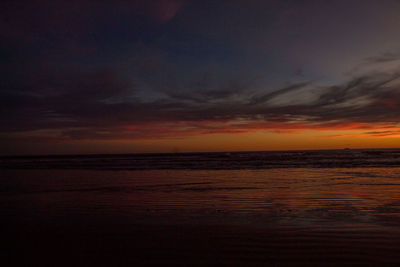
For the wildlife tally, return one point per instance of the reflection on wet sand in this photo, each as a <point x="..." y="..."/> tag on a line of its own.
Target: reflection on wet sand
<point x="294" y="216"/>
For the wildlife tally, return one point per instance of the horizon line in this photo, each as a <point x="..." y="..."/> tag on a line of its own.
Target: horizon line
<point x="191" y="152"/>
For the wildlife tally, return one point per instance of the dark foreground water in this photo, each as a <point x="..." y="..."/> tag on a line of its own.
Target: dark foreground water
<point x="314" y="208"/>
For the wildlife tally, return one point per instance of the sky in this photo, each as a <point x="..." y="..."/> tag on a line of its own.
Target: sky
<point x="96" y="76"/>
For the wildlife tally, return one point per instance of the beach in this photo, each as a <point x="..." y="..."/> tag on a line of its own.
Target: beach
<point x="113" y="245"/>
<point x="250" y="216"/>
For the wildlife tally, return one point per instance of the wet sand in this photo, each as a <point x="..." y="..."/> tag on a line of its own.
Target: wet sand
<point x="277" y="217"/>
<point x="129" y="245"/>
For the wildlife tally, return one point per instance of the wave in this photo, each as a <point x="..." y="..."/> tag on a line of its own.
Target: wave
<point x="211" y="161"/>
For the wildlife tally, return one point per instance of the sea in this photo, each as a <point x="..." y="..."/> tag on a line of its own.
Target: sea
<point x="270" y="208"/>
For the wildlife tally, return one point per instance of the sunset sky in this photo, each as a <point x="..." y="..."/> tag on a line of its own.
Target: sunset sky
<point x="96" y="76"/>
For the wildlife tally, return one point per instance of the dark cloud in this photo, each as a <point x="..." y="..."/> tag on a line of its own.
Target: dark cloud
<point x="264" y="98"/>
<point x="383" y="133"/>
<point x="102" y="105"/>
<point x="385" y="57"/>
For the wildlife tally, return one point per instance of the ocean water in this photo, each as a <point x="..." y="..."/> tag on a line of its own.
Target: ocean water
<point x="344" y="158"/>
<point x="354" y="193"/>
